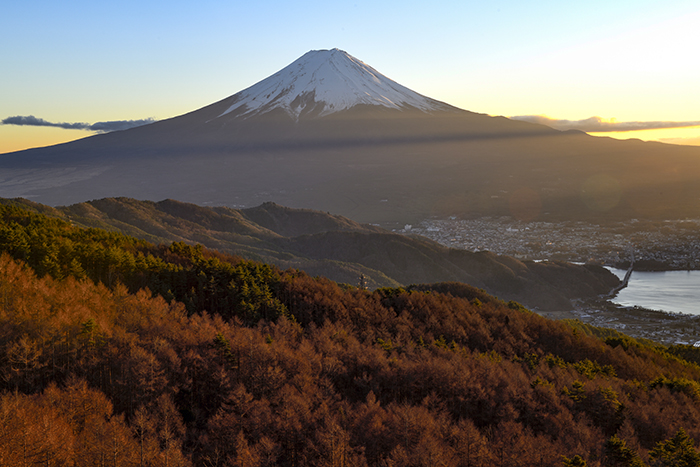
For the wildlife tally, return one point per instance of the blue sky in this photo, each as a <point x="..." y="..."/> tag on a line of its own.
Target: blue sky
<point x="76" y="61"/>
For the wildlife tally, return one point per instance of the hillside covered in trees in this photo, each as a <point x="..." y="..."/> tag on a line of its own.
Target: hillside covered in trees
<point x="338" y="248"/>
<point x="116" y="351"/>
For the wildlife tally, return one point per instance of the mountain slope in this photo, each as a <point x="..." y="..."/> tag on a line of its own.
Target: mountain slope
<point x="416" y="260"/>
<point x="338" y="248"/>
<point x="308" y="137"/>
<point x="294" y="222"/>
<point x="237" y="363"/>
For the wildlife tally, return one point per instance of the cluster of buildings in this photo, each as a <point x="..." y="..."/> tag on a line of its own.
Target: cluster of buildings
<point x="654" y="244"/>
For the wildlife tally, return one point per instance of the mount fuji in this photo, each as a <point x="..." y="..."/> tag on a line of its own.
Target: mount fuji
<point x="331" y="133"/>
<point x="323" y="82"/>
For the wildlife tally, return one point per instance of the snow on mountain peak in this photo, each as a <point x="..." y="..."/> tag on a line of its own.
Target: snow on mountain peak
<point x="322" y="82"/>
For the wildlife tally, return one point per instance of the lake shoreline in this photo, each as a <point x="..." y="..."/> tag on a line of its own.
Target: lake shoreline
<point x="667" y="328"/>
<point x="675" y="291"/>
<point x="652" y="266"/>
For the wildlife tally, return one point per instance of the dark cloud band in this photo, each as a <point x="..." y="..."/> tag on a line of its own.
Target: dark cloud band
<point x="100" y="127"/>
<point x="597" y="124"/>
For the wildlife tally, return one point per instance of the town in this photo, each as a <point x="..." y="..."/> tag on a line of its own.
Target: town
<point x="654" y="245"/>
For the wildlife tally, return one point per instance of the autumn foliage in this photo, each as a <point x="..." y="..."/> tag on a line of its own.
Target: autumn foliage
<point x="117" y="352"/>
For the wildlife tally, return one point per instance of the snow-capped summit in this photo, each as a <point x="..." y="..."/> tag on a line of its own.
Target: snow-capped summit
<point x="322" y="82"/>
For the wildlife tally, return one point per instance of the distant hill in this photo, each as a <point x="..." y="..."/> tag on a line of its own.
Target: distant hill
<point x="338" y="248"/>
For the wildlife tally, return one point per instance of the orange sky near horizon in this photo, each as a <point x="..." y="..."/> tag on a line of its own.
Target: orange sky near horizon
<point x="18" y="138"/>
<point x="685" y="136"/>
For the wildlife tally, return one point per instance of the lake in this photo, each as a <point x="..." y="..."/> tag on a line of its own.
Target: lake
<point x="674" y="291"/>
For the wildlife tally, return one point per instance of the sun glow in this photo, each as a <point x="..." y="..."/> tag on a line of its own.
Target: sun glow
<point x="686" y="136"/>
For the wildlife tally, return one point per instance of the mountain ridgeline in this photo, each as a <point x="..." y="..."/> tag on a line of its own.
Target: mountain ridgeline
<point x="338" y="248"/>
<point x="117" y="351"/>
<point x="331" y="133"/>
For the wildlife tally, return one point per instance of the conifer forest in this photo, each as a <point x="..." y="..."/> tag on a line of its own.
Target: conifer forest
<point x="118" y="352"/>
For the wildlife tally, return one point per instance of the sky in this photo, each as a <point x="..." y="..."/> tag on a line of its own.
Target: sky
<point x="596" y="65"/>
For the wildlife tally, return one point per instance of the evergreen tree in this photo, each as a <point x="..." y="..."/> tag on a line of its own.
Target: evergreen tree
<point x="576" y="461"/>
<point x="677" y="451"/>
<point x="618" y="454"/>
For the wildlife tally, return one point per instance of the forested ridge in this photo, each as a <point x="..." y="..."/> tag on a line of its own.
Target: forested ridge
<point x="323" y="244"/>
<point x="115" y="351"/>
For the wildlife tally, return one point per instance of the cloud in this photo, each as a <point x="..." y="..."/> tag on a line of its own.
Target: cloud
<point x="598" y="124"/>
<point x="100" y="127"/>
<point x="104" y="127"/>
<point x="31" y="120"/>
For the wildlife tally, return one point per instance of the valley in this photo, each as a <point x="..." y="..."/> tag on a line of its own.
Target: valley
<point x="655" y="246"/>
